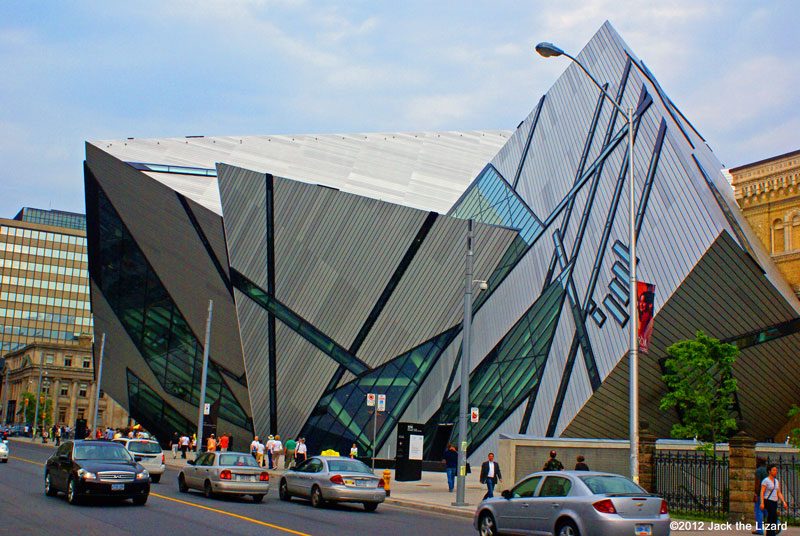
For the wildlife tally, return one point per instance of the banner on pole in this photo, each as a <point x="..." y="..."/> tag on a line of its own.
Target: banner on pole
<point x="474" y="415"/>
<point x="370" y="399"/>
<point x="381" y="402"/>
<point x="646" y="293"/>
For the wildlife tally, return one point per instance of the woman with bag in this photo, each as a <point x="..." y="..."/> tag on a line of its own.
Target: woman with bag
<point x="770" y="495"/>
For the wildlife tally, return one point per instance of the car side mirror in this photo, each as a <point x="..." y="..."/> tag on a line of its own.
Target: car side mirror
<point x="506" y="494"/>
<point x="190" y="462"/>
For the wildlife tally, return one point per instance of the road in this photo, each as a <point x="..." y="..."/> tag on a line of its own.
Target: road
<point x="24" y="509"/>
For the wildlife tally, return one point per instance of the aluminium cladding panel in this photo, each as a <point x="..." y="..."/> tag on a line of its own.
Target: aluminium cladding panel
<point x="165" y="234"/>
<point x="335" y="253"/>
<point x="430" y="297"/>
<point x="492" y="443"/>
<point x="243" y="194"/>
<point x="255" y="340"/>
<point x="214" y="230"/>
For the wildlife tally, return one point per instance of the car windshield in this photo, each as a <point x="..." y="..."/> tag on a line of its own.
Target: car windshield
<point x="240" y="460"/>
<point x="108" y="451"/>
<point x="144" y="447"/>
<point x="348" y="466"/>
<point x="600" y="484"/>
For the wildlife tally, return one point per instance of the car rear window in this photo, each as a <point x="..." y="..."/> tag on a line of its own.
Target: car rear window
<point x="240" y="460"/>
<point x="348" y="466"/>
<point x="601" y="484"/>
<point x="144" y="447"/>
<point x="101" y="451"/>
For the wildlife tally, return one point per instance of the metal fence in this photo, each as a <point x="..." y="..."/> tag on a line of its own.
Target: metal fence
<point x="692" y="481"/>
<point x="789" y="477"/>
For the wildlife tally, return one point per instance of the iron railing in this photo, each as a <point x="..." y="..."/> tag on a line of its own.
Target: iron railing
<point x="789" y="477"/>
<point x="692" y="482"/>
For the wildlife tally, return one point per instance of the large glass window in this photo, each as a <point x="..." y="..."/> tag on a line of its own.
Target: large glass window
<point x="150" y="409"/>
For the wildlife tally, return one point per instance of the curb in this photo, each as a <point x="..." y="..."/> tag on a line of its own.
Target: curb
<point x="440" y="509"/>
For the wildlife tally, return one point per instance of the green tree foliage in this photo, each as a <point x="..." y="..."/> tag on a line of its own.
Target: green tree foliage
<point x="794" y="434"/>
<point x="700" y="387"/>
<point x="30" y="409"/>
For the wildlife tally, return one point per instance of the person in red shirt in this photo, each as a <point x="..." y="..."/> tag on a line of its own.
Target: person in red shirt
<point x="223" y="443"/>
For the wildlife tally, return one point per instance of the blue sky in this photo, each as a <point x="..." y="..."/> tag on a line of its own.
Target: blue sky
<point x="76" y="71"/>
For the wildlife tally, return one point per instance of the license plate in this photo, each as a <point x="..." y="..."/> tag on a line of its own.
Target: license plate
<point x="245" y="478"/>
<point x="361" y="483"/>
<point x="117" y="487"/>
<point x="644" y="530"/>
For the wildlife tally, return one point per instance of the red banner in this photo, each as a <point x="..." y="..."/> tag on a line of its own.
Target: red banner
<point x="646" y="293"/>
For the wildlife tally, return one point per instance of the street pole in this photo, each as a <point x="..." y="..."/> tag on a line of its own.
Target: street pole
<point x="200" y="411"/>
<point x="463" y="417"/>
<point x="4" y="409"/>
<point x="99" y="383"/>
<point x="374" y="428"/>
<point x="633" y="360"/>
<point x="38" y="394"/>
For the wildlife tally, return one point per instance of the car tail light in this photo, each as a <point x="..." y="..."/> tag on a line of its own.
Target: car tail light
<point x="264" y="477"/>
<point x="337" y="479"/>
<point x="381" y="483"/>
<point x="225" y="475"/>
<point x="163" y="460"/>
<point x="664" y="507"/>
<point x="605" y="506"/>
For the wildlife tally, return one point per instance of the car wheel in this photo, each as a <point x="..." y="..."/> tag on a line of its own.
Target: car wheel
<point x="567" y="528"/>
<point x="72" y="493"/>
<point x="486" y="525"/>
<point x="283" y="491"/>
<point x="207" y="491"/>
<point x="182" y="487"/>
<point x="49" y="490"/>
<point x="155" y="478"/>
<point x="370" y="506"/>
<point x="258" y="497"/>
<point x="316" y="497"/>
<point x="140" y="500"/>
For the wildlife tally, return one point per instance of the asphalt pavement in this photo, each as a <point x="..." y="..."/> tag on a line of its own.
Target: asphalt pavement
<point x="24" y="509"/>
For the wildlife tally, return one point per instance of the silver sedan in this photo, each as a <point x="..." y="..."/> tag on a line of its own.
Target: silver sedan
<point x="235" y="473"/>
<point x="4" y="451"/>
<point x="571" y="503"/>
<point x="333" y="479"/>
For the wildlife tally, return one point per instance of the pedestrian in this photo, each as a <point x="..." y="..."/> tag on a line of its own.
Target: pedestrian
<point x="553" y="464"/>
<point x="288" y="460"/>
<point x="277" y="452"/>
<point x="301" y="453"/>
<point x="490" y="475"/>
<point x="354" y="451"/>
<point x="770" y="495"/>
<point x="184" y="445"/>
<point x="268" y="445"/>
<point x="211" y="444"/>
<point x="450" y="458"/>
<point x="173" y="444"/>
<point x="260" y="447"/>
<point x="761" y="474"/>
<point x="223" y="443"/>
<point x="230" y="442"/>
<point x="58" y="436"/>
<point x="581" y="465"/>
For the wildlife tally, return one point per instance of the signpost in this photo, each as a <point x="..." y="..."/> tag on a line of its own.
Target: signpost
<point x="381" y="407"/>
<point x="474" y="415"/>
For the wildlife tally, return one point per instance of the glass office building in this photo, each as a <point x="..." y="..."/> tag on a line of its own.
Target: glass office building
<point x="335" y="264"/>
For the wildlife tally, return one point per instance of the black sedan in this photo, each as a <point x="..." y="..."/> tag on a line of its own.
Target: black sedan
<point x="96" y="469"/>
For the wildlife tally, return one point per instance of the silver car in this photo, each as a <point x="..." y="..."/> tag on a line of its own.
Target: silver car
<point x="571" y="503"/>
<point x="235" y="473"/>
<point x="333" y="479"/>
<point x="147" y="452"/>
<point x="3" y="451"/>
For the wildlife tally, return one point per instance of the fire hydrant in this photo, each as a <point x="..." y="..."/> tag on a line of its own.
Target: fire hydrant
<point x="387" y="477"/>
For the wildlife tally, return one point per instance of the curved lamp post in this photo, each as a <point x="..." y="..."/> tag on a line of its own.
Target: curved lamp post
<point x="548" y="50"/>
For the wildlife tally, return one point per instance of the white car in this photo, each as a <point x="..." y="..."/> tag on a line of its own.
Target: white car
<point x="4" y="451"/>
<point x="148" y="453"/>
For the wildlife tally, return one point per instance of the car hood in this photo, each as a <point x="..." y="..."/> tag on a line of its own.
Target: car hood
<point x="96" y="466"/>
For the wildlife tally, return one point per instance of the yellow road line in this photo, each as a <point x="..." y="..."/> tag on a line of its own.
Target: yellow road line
<point x="251" y="520"/>
<point x="256" y="521"/>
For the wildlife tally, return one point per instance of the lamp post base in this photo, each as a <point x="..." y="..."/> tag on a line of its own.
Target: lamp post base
<point x="460" y="504"/>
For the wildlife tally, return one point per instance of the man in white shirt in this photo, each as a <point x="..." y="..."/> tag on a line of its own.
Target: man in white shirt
<point x="260" y="454"/>
<point x="254" y="446"/>
<point x="184" y="444"/>
<point x="270" y="443"/>
<point x="277" y="452"/>
<point x="301" y="452"/>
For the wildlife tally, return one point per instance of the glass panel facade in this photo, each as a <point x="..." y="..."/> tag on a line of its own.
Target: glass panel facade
<point x="150" y="409"/>
<point x="152" y="320"/>
<point x="58" y="218"/>
<point x="508" y="374"/>
<point x="342" y="418"/>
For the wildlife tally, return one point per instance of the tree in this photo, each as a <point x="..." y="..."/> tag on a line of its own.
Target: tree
<point x="794" y="434"/>
<point x="700" y="386"/>
<point x="45" y="408"/>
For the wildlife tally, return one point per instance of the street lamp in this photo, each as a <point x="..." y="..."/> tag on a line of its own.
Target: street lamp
<point x="548" y="50"/>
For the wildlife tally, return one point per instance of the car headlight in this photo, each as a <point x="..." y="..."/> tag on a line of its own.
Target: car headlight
<point x="86" y="475"/>
<point x="144" y="474"/>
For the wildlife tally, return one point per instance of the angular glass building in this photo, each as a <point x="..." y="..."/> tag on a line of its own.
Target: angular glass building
<point x="335" y="263"/>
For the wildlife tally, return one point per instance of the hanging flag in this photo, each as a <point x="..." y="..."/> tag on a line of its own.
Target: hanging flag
<point x="645" y="297"/>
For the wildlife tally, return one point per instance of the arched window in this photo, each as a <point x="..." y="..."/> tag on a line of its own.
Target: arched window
<point x="795" y="244"/>
<point x="777" y="237"/>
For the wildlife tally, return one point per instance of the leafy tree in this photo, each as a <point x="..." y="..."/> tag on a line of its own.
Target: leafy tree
<point x="794" y="434"/>
<point x="700" y="386"/>
<point x="45" y="409"/>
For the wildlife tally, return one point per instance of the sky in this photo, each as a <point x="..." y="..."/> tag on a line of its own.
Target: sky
<point x="90" y="70"/>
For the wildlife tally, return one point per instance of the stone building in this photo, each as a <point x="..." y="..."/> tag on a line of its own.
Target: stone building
<point x="768" y="192"/>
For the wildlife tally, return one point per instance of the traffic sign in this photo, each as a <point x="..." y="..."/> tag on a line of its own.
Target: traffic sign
<point x="370" y="399"/>
<point x="206" y="409"/>
<point x="381" y="402"/>
<point x="474" y="415"/>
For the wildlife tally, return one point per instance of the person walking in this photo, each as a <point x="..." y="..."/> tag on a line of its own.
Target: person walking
<point x="260" y="454"/>
<point x="553" y="464"/>
<point x="277" y="452"/>
<point x="223" y="443"/>
<point x="301" y="453"/>
<point x="184" y="445"/>
<point x="770" y="495"/>
<point x="490" y="475"/>
<point x="254" y="447"/>
<point x="174" y="442"/>
<point x="450" y="458"/>
<point x="289" y="451"/>
<point x="354" y="451"/>
<point x="581" y="465"/>
<point x="230" y="442"/>
<point x="211" y="444"/>
<point x="269" y="444"/>
<point x="761" y="474"/>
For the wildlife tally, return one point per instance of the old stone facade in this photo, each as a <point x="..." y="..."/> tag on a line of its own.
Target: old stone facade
<point x="768" y="192"/>
<point x="67" y="378"/>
